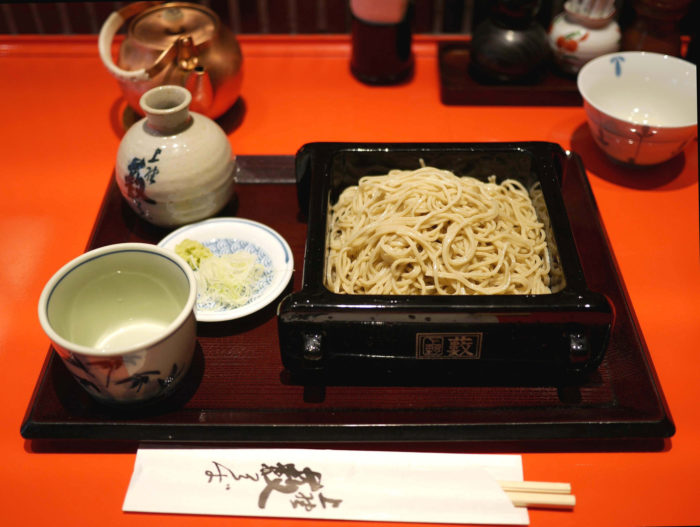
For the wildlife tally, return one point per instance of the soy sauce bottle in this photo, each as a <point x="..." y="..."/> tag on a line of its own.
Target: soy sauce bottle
<point x="381" y="41"/>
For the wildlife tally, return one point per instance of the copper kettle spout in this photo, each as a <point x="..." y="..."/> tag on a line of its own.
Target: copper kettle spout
<point x="199" y="84"/>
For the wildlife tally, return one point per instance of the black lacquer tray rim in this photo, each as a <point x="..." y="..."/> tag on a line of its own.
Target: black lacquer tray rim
<point x="608" y="430"/>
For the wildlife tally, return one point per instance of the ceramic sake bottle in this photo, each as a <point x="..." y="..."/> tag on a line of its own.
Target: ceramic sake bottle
<point x="583" y="31"/>
<point x="174" y="166"/>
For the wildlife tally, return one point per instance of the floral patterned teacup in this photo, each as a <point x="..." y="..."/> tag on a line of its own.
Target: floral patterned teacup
<point x="121" y="318"/>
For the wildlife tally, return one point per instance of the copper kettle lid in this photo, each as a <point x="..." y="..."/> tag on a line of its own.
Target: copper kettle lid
<point x="160" y="26"/>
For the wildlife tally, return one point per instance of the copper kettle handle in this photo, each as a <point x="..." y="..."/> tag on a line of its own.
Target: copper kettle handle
<point x="109" y="30"/>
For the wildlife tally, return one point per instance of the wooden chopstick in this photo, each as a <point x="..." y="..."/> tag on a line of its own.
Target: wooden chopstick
<point x="543" y="500"/>
<point x="544" y="494"/>
<point x="548" y="487"/>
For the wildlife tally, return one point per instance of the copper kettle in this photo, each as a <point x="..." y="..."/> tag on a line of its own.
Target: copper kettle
<point x="174" y="43"/>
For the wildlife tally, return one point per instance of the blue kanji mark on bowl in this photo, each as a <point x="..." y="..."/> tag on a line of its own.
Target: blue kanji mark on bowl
<point x="617" y="60"/>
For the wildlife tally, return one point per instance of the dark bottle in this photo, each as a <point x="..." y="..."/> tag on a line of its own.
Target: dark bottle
<point x="510" y="46"/>
<point x="656" y="27"/>
<point x="381" y="41"/>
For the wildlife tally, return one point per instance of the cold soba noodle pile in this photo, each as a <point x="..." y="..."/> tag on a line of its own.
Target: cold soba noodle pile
<point x="429" y="232"/>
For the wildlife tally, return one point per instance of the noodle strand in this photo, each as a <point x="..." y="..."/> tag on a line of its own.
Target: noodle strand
<point x="427" y="232"/>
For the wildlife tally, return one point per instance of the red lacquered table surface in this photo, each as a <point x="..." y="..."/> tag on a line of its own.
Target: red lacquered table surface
<point x="61" y="126"/>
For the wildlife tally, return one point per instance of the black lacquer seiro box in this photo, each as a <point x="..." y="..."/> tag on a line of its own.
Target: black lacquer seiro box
<point x="431" y="337"/>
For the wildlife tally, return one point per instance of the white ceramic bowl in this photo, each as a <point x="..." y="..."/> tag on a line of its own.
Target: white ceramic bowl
<point x="122" y="319"/>
<point x="641" y="107"/>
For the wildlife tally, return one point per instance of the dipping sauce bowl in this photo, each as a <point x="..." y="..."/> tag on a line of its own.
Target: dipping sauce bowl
<point x="121" y="317"/>
<point x="641" y="107"/>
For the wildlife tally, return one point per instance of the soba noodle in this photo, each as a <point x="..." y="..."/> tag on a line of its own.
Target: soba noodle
<point x="429" y="232"/>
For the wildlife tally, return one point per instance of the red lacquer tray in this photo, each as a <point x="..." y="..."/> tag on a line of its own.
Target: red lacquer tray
<point x="238" y="392"/>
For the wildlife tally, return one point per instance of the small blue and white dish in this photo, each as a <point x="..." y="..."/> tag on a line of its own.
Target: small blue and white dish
<point x="227" y="236"/>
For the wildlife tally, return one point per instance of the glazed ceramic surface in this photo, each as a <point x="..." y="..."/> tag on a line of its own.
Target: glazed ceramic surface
<point x="174" y="166"/>
<point x="641" y="107"/>
<point x="576" y="38"/>
<point x="510" y="46"/>
<point x="121" y="317"/>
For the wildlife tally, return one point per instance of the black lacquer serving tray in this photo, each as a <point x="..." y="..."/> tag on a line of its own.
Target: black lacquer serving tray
<point x="238" y="390"/>
<point x="445" y="337"/>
